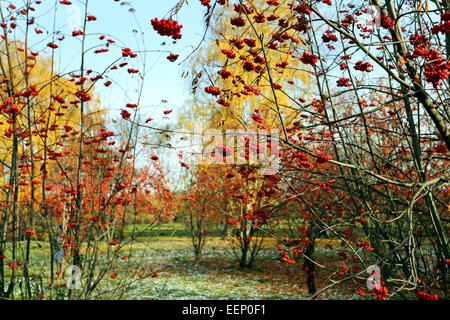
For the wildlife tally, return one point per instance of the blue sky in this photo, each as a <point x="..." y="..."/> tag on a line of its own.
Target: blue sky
<point x="162" y="79"/>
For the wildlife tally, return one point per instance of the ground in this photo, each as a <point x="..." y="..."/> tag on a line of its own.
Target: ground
<point x="167" y="254"/>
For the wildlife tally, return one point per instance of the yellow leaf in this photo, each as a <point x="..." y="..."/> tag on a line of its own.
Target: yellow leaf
<point x="400" y="64"/>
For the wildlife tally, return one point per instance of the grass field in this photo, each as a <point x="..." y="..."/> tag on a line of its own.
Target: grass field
<point x="217" y="276"/>
<point x="168" y="252"/>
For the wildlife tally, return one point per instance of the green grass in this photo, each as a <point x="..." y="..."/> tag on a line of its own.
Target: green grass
<point x="215" y="277"/>
<point x="174" y="229"/>
<point x="168" y="251"/>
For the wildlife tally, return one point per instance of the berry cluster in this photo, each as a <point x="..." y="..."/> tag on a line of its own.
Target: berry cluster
<point x="363" y="66"/>
<point x="444" y="26"/>
<point x="302" y="9"/>
<point x="172" y="57"/>
<point x="248" y="66"/>
<point x="250" y="42"/>
<point x="344" y="82"/>
<point x="387" y="22"/>
<point x="169" y="28"/>
<point x="126" y="52"/>
<point x="125" y="114"/>
<point x="77" y="33"/>
<point x="380" y="293"/>
<point x="329" y="36"/>
<point x="206" y="3"/>
<point x="436" y="67"/>
<point x="225" y="74"/>
<point x="242" y="8"/>
<point x="238" y="22"/>
<point x="83" y="96"/>
<point x="427" y="296"/>
<point x="308" y="58"/>
<point x="212" y="90"/>
<point x="230" y="54"/>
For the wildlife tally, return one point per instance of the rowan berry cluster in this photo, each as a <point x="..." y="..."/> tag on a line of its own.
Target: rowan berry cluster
<point x="167" y="27"/>
<point x="212" y="90"/>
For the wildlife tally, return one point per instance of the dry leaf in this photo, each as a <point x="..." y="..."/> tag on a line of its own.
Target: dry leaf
<point x="401" y="63"/>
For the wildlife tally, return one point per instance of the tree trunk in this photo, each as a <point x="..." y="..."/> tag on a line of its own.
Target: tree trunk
<point x="309" y="268"/>
<point x="243" y="261"/>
